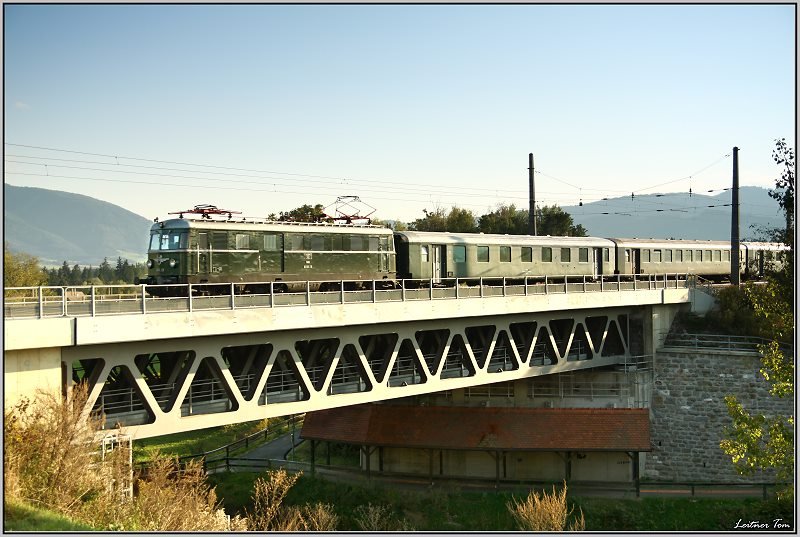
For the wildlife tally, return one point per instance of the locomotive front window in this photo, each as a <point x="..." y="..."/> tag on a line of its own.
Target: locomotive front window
<point x="527" y="254"/>
<point x="168" y="240"/>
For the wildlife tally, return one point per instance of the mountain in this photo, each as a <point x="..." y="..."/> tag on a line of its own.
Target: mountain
<point x="57" y="226"/>
<point x="679" y="216"/>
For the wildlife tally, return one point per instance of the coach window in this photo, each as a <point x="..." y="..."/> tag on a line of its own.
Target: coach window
<point x="459" y="253"/>
<point x="566" y="255"/>
<point x="483" y="254"/>
<point x="242" y="241"/>
<point x="606" y="255"/>
<point x="668" y="256"/>
<point x="727" y="255"/>
<point x="645" y="255"/>
<point x="656" y="256"/>
<point x="679" y="256"/>
<point x="505" y="254"/>
<point x="718" y="255"/>
<point x="547" y="254"/>
<point x="526" y="256"/>
<point x="583" y="255"/>
<point x="423" y="253"/>
<point x="707" y="256"/>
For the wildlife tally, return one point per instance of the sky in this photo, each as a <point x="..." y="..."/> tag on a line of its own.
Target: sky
<point x="263" y="108"/>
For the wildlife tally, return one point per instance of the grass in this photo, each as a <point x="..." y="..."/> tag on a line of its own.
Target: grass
<point x="20" y="516"/>
<point x="456" y="510"/>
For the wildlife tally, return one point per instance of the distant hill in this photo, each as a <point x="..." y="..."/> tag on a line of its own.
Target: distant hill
<point x="678" y="216"/>
<point x="57" y="226"/>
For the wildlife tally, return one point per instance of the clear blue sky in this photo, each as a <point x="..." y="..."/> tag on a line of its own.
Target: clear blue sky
<point x="409" y="107"/>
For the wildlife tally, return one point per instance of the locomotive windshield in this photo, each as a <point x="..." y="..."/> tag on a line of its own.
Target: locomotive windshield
<point x="168" y="240"/>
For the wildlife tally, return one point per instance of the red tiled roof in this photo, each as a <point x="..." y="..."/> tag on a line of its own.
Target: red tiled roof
<point x="529" y="429"/>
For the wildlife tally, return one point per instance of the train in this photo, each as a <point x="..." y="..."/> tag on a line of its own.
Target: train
<point x="262" y="256"/>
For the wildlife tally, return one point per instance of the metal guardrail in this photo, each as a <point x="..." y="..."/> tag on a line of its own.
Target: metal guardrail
<point x="78" y="301"/>
<point x="714" y="342"/>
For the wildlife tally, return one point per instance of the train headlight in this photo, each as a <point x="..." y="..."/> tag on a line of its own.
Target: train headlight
<point x="150" y="263"/>
<point x="173" y="263"/>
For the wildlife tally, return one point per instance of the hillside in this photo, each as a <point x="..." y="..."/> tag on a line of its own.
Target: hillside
<point x="57" y="226"/>
<point x="678" y="216"/>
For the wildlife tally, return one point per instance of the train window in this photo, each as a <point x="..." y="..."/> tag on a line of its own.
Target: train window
<point x="645" y="256"/>
<point x="583" y="255"/>
<point x="566" y="255"/>
<point x="357" y="243"/>
<point x="271" y="242"/>
<point x="526" y="256"/>
<point x="374" y="244"/>
<point x="727" y="255"/>
<point x="317" y="242"/>
<point x="459" y="253"/>
<point x="483" y="254"/>
<point x="698" y="255"/>
<point x="219" y="240"/>
<point x="242" y="241"/>
<point x="295" y="242"/>
<point x="606" y="257"/>
<point x="687" y="255"/>
<point x="505" y="254"/>
<point x="547" y="254"/>
<point x="707" y="256"/>
<point x="679" y="256"/>
<point x="656" y="256"/>
<point x="668" y="256"/>
<point x="627" y="255"/>
<point x="423" y="253"/>
<point x="336" y="243"/>
<point x="717" y="255"/>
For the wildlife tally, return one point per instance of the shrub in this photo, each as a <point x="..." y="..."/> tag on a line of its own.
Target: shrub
<point x="548" y="512"/>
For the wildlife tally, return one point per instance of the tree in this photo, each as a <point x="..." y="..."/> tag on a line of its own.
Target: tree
<point x="552" y="220"/>
<point x="457" y="220"/>
<point x="756" y="440"/>
<point x="506" y="219"/>
<point x="306" y="213"/>
<point x="21" y="269"/>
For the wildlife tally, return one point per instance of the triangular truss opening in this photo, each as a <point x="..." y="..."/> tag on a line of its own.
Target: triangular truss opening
<point x="317" y="356"/>
<point x="284" y="383"/>
<point x="543" y="351"/>
<point x="503" y="358"/>
<point x="165" y="373"/>
<point x="407" y="369"/>
<point x="208" y="393"/>
<point x="87" y="370"/>
<point x="596" y="327"/>
<point x="432" y="344"/>
<point x="247" y="364"/>
<point x="457" y="363"/>
<point x="613" y="345"/>
<point x="480" y="339"/>
<point x="121" y="401"/>
<point x="349" y="375"/>
<point x="523" y="334"/>
<point x="579" y="348"/>
<point x="378" y="349"/>
<point x="561" y="329"/>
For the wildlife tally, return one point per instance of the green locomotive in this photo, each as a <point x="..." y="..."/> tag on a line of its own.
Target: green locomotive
<point x="259" y="256"/>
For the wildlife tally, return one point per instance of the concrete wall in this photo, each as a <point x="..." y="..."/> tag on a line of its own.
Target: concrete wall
<point x="26" y="371"/>
<point x="688" y="412"/>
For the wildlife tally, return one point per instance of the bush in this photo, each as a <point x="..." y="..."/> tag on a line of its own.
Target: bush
<point x="547" y="512"/>
<point x="269" y="513"/>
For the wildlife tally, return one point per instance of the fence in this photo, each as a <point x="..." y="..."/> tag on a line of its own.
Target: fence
<point x="40" y="302"/>
<point x="714" y="342"/>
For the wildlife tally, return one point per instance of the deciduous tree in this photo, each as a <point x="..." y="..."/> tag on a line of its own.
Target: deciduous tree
<point x="21" y="269"/>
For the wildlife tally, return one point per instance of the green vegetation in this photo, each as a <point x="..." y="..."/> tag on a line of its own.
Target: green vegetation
<point x="196" y="442"/>
<point x="20" y="516"/>
<point x="457" y="510"/>
<point x="21" y="269"/>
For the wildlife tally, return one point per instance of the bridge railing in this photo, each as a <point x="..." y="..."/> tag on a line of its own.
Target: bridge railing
<point x="95" y="300"/>
<point x="718" y="342"/>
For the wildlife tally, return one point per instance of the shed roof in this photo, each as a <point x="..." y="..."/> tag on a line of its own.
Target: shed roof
<point x="470" y="428"/>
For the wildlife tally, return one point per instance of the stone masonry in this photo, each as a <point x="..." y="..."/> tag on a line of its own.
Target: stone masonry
<point x="688" y="413"/>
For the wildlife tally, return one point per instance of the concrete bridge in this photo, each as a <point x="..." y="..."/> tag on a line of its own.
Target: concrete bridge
<point x="162" y="365"/>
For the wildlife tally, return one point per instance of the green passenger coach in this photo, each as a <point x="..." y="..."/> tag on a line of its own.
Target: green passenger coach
<point x="254" y="255"/>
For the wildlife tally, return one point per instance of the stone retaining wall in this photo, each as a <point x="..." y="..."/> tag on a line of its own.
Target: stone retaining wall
<point x="688" y="412"/>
